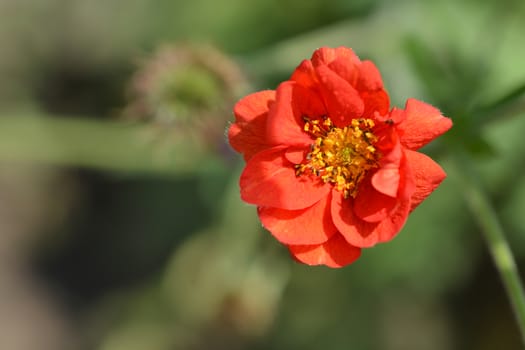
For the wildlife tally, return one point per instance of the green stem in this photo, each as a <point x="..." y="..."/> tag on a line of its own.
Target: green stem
<point x="485" y="215"/>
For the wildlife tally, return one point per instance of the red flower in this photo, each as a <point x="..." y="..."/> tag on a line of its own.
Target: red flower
<point x="330" y="167"/>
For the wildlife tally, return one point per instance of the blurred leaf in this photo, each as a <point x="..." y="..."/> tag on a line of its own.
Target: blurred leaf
<point x="510" y="97"/>
<point x="427" y="66"/>
<point x="467" y="135"/>
<point x="149" y="336"/>
<point x="508" y="166"/>
<point x="104" y="145"/>
<point x="513" y="218"/>
<point x="454" y="82"/>
<point x="479" y="146"/>
<point x="507" y="106"/>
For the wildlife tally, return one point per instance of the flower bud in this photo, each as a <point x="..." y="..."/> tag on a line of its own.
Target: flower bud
<point x="188" y="91"/>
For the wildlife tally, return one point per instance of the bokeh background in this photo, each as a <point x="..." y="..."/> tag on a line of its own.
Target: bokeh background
<point x="121" y="226"/>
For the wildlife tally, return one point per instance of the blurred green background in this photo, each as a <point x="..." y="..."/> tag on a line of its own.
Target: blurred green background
<point x="121" y="223"/>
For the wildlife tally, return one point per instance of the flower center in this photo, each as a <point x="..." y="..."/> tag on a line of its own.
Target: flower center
<point x="340" y="156"/>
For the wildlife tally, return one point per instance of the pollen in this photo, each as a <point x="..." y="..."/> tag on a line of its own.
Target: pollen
<point x="340" y="156"/>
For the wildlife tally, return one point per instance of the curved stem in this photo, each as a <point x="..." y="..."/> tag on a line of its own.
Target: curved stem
<point x="485" y="215"/>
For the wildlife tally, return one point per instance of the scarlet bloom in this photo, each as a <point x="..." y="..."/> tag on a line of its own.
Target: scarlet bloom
<point x="331" y="168"/>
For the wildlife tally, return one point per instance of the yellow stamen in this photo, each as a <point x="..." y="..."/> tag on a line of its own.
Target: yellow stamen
<point x="340" y="156"/>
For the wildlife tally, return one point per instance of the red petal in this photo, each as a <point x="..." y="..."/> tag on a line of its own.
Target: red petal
<point x="312" y="225"/>
<point x="326" y="55"/>
<point x="355" y="231"/>
<point x="427" y="176"/>
<point x="406" y="182"/>
<point x="285" y="126"/>
<point x="371" y="205"/>
<point x="375" y="101"/>
<point x="369" y="77"/>
<point x="247" y="138"/>
<point x="363" y="234"/>
<point x="346" y="68"/>
<point x="386" y="178"/>
<point x="307" y="102"/>
<point x="370" y="86"/>
<point x="423" y="123"/>
<point x="253" y="105"/>
<point x="296" y="155"/>
<point x="304" y="74"/>
<point x="341" y="99"/>
<point x="336" y="252"/>
<point x="248" y="134"/>
<point x="269" y="180"/>
<point x="390" y="227"/>
<point x="395" y="116"/>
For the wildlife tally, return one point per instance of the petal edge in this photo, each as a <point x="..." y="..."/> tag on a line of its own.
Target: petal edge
<point x="335" y="253"/>
<point x="269" y="180"/>
<point x="307" y="226"/>
<point x="423" y="124"/>
<point x="427" y="176"/>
